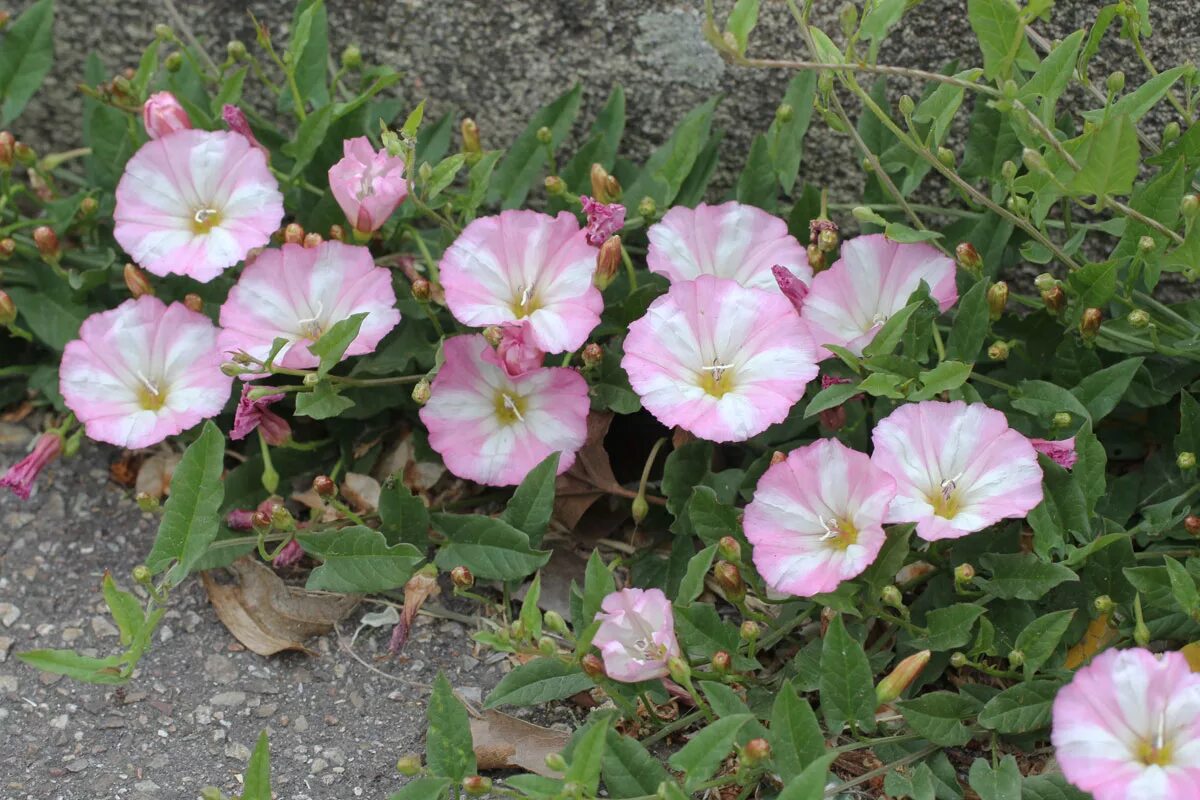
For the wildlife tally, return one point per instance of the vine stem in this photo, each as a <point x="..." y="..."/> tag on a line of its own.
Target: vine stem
<point x="834" y="791"/>
<point x="878" y="69"/>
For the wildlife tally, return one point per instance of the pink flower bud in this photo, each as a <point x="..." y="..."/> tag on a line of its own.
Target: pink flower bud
<point x="794" y="289"/>
<point x="236" y="121"/>
<point x="516" y="353"/>
<point x="163" y="114"/>
<point x="21" y="476"/>
<point x="901" y="677"/>
<point x="291" y="553"/>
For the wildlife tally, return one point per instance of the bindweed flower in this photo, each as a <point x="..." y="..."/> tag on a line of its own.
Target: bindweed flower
<point x="492" y="428"/>
<point x="288" y="555"/>
<point x="254" y="414"/>
<point x="163" y="114"/>
<point x="817" y="518"/>
<point x="637" y="635"/>
<point x="298" y="293"/>
<point x="718" y="359"/>
<point x="143" y="371"/>
<point x="603" y="220"/>
<point x="731" y="240"/>
<point x="1060" y="451"/>
<point x="522" y="265"/>
<point x="195" y="203"/>
<point x="515" y="353"/>
<point x="958" y="468"/>
<point x="367" y="184"/>
<point x="235" y="120"/>
<point x="848" y="303"/>
<point x="1127" y="727"/>
<point x="794" y="289"/>
<point x="21" y="476"/>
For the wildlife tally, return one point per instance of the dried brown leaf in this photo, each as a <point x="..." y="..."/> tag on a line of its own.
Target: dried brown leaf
<point x="589" y="478"/>
<point x="361" y="491"/>
<point x="419" y="588"/>
<point x="154" y="475"/>
<point x="400" y="460"/>
<point x="504" y="742"/>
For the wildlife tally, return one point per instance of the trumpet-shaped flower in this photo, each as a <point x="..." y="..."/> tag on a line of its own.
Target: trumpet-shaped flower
<point x="21" y="476"/>
<point x="142" y="372"/>
<point x="731" y="240"/>
<point x="195" y="203"/>
<point x="1127" y="727"/>
<point x="817" y="518"/>
<point x="163" y="114"/>
<point x="523" y="265"/>
<point x="848" y="303"/>
<point x="492" y="428"/>
<point x="718" y="359"/>
<point x="298" y="293"/>
<point x="636" y="637"/>
<point x="958" y="468"/>
<point x="1060" y="451"/>
<point x="368" y="185"/>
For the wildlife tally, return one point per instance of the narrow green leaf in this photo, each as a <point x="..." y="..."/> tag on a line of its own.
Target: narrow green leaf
<point x="628" y="768"/>
<point x="190" y="520"/>
<point x="810" y="783"/>
<point x="938" y="716"/>
<point x="692" y="584"/>
<point x="1100" y="391"/>
<point x="403" y="515"/>
<point x="997" y="25"/>
<point x="889" y="336"/>
<point x="1108" y="158"/>
<point x="26" y="55"/>
<point x="531" y="616"/>
<point x="1041" y="637"/>
<point x="517" y="172"/>
<point x="1021" y="576"/>
<point x="539" y="681"/>
<point x="256" y="784"/>
<point x="757" y="184"/>
<point x="358" y="560"/>
<point x="75" y="666"/>
<point x="742" y="20"/>
<point x="942" y="378"/>
<point x="847" y="689"/>
<point x="831" y="397"/>
<point x="532" y="503"/>
<point x="970" y="325"/>
<point x="597" y="585"/>
<point x="785" y="137"/>
<point x="670" y="164"/>
<point x="332" y="344"/>
<point x="444" y="174"/>
<point x="1020" y="709"/>
<point x="1053" y="74"/>
<point x="125" y="608"/>
<point x="587" y="756"/>
<point x="423" y="789"/>
<point x="323" y="402"/>
<point x="448" y="749"/>
<point x="950" y="627"/>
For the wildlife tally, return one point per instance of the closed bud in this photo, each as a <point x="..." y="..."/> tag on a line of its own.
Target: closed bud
<point x="679" y="670"/>
<point x="324" y="486"/>
<point x="891" y="596"/>
<point x="555" y="761"/>
<point x="749" y="630"/>
<point x="1089" y="323"/>
<point x="408" y="766"/>
<point x="194" y="302"/>
<point x="593" y="667"/>
<point x="282" y="519"/>
<point x="778" y="457"/>
<point x="729" y="578"/>
<point x="1141" y="633"/>
<point x="729" y="549"/>
<point x="547" y="647"/>
<point x="1033" y="160"/>
<point x="848" y="17"/>
<point x="1146" y="244"/>
<point x="352" y="57"/>
<point x="963" y="575"/>
<point x="1061" y="419"/>
<point x="1054" y="299"/>
<point x="722" y="662"/>
<point x="424" y="172"/>
<point x="545" y="135"/>
<point x="1189" y="205"/>
<point x="958" y="660"/>
<point x="147" y="502"/>
<point x="311" y="379"/>
<point x="494" y="335"/>
<point x="1170" y="133"/>
<point x="968" y="259"/>
<point x="173" y="62"/>
<point x="422" y="290"/>
<point x="1186" y="460"/>
<point x="7" y="247"/>
<point x="816" y="258"/>
<point x="639" y="508"/>
<point x="470" y="136"/>
<point x="232" y="370"/>
<point x="592" y="354"/>
<point x="236" y="50"/>
<point x="293" y="233"/>
<point x="142" y="574"/>
<point x="1104" y="604"/>
<point x="1191" y="524"/>
<point x="88" y="206"/>
<point x="312" y="240"/>
<point x="906" y="106"/>
<point x="647" y="208"/>
<point x="8" y="309"/>
<point x="420" y="392"/>
<point x="1016" y="659"/>
<point x="998" y="351"/>
<point x="599" y="177"/>
<point x="47" y="243"/>
<point x="785" y="112"/>
<point x="4" y="18"/>
<point x="1115" y="82"/>
<point x="1008" y="171"/>
<point x="608" y="261"/>
<point x="260" y="521"/>
<point x="24" y="154"/>
<point x="555" y="623"/>
<point x="1044" y="282"/>
<point x="164" y="32"/>
<point x="337" y="233"/>
<point x="900" y="678"/>
<point x="8" y="143"/>
<point x="756" y="752"/>
<point x="612" y="188"/>
<point x="555" y="186"/>
<point x="462" y="577"/>
<point x="997" y="299"/>
<point x="946" y="156"/>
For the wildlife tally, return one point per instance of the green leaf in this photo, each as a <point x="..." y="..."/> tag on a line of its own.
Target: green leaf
<point x="847" y="689"/>
<point x="531" y="616"/>
<point x="358" y="560"/>
<point x="308" y="50"/>
<point x="877" y="20"/>
<point x="423" y="789"/>
<point x="810" y="783"/>
<point x="938" y="716"/>
<point x="539" y="681"/>
<point x="670" y="164"/>
<point x="705" y="751"/>
<point x="403" y="515"/>
<point x="489" y="547"/>
<point x="597" y="585"/>
<point x="757" y="184"/>
<point x="332" y="344"/>
<point x="795" y="735"/>
<point x="1021" y="576"/>
<point x="517" y="172"/>
<point x="1053" y="74"/>
<point x="970" y="325"/>
<point x="742" y="20"/>
<point x="190" y="520"/>
<point x="889" y="336"/>
<point x="709" y="518"/>
<point x="448" y="749"/>
<point x="692" y="585"/>
<point x="479" y="181"/>
<point x="1183" y="586"/>
<point x="1040" y="638"/>
<point x="532" y="503"/>
<point x="785" y="138"/>
<point x="1094" y="285"/>
<point x="628" y="768"/>
<point x="823" y="47"/>
<point x="1050" y="786"/>
<point x="831" y="397"/>
<point x="1108" y="159"/>
<point x="309" y="137"/>
<point x="587" y="756"/>
<point x="1100" y="391"/>
<point x="105" y="131"/>
<point x="684" y="469"/>
<point x="125" y="608"/>
<point x="26" y="55"/>
<point x="48" y="311"/>
<point x="899" y="232"/>
<point x="1044" y="399"/>
<point x="1063" y="510"/>
<point x="950" y="627"/>
<point x="322" y="402"/>
<point x="1137" y="103"/>
<point x="256" y="784"/>
<point x="942" y="378"/>
<point x="702" y="632"/>
<point x="604" y="139"/>
<point x="997" y="25"/>
<point x="75" y="666"/>
<point x="1020" y="709"/>
<point x="1001" y="783"/>
<point x="444" y="174"/>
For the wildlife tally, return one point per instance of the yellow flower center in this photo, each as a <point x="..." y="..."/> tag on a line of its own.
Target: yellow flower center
<point x="1156" y="752"/>
<point x="525" y="302"/>
<point x="510" y="408"/>
<point x="149" y="395"/>
<point x="205" y="219"/>
<point x="717" y="379"/>
<point x="946" y="500"/>
<point x="839" y="533"/>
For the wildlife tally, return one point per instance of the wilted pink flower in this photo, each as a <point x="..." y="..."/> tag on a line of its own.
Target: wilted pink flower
<point x="636" y="637"/>
<point x="21" y="476"/>
<point x="718" y="359"/>
<point x="516" y="354"/>
<point x="794" y="289"/>
<point x="833" y="418"/>
<point x="367" y="184"/>
<point x="958" y="468"/>
<point x="817" y="518"/>
<point x="143" y="371"/>
<point x="603" y="219"/>
<point x="163" y="114"/>
<point x="195" y="203"/>
<point x="235" y="120"/>
<point x="1127" y="727"/>
<point x="298" y="293"/>
<point x="731" y="240"/>
<point x="290" y="554"/>
<point x="240" y="519"/>
<point x="525" y="265"/>
<point x="492" y="428"/>
<point x="848" y="303"/>
<point x="252" y="414"/>
<point x="1060" y="451"/>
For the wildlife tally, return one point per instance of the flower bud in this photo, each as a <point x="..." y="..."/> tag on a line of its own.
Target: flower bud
<point x="194" y="302"/>
<point x="555" y="186"/>
<point x="608" y="261"/>
<point x="964" y="574"/>
<point x="958" y="660"/>
<point x="1054" y="299"/>
<point x="827" y="240"/>
<point x="1104" y="604"/>
<point x="142" y="574"/>
<point x="162" y="114"/>
<point x="1008" y="171"/>
<point x="900" y="678"/>
<point x="337" y="233"/>
<point x="647" y="208"/>
<point x="47" y="243"/>
<point x="599" y="177"/>
<point x="282" y="519"/>
<point x="352" y="57"/>
<point x="906" y="106"/>
<point x="1141" y="633"/>
<point x="1189" y="205"/>
<point x="1089" y="323"/>
<point x="173" y="62"/>
<point x="422" y="290"/>
<point x="1044" y="282"/>
<point x="555" y="761"/>
<point x="1146" y="245"/>
<point x="146" y="502"/>
<point x="1033" y="160"/>
<point x="7" y="248"/>
<point x="293" y="233"/>
<point x="998" y="351"/>
<point x="729" y="578"/>
<point x="755" y="752"/>
<point x="260" y="522"/>
<point x="816" y="258"/>
<point x="462" y="577"/>
<point x="947" y="158"/>
<point x="1062" y="419"/>
<point x="722" y="662"/>
<point x="1170" y="133"/>
<point x="425" y="172"/>
<point x="593" y="667"/>
<point x="312" y="240"/>
<point x="164" y="32"/>
<point x="969" y="259"/>
<point x="1016" y="659"/>
<point x="778" y="457"/>
<point x="494" y="335"/>
<point x="476" y="785"/>
<point x="639" y="508"/>
<point x="891" y="596"/>
<point x="408" y="765"/>
<point x="555" y="623"/>
<point x="1115" y="82"/>
<point x="88" y="206"/>
<point x="8" y="309"/>
<point x="729" y="549"/>
<point x="420" y="392"/>
<point x="545" y="135"/>
<point x="547" y="647"/>
<point x="24" y="154"/>
<point x="679" y="670"/>
<point x="749" y="630"/>
<point x="592" y="355"/>
<point x="1186" y="460"/>
<point x="1138" y="318"/>
<point x="236" y="50"/>
<point x="7" y="144"/>
<point x="324" y="486"/>
<point x="232" y="370"/>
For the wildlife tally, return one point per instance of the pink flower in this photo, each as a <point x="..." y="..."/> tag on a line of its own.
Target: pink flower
<point x="1127" y="727"/>
<point x="142" y="372"/>
<point x="636" y="637"/>
<point x="235" y="120"/>
<point x="1060" y="451"/>
<point x="22" y="475"/>
<point x="958" y="468"/>
<point x="731" y="240"/>
<point x="516" y="354"/>
<point x="195" y="203"/>
<point x="492" y="428"/>
<point x="603" y="219"/>
<point x="163" y="114"/>
<point x="298" y="293"/>
<point x="719" y="360"/>
<point x="368" y="185"/>
<point x="848" y="303"/>
<point x="817" y="518"/>
<point x="794" y="289"/>
<point x="525" y="265"/>
<point x="252" y="414"/>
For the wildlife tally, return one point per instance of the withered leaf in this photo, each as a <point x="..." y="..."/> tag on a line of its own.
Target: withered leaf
<point x="504" y="742"/>
<point x="589" y="478"/>
<point x="154" y="475"/>
<point x="361" y="491"/>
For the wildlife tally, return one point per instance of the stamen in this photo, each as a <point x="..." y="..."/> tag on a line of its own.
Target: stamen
<point x="717" y="370"/>
<point x="150" y="385"/>
<point x="311" y="326"/>
<point x="831" y="529"/>
<point x="879" y="319"/>
<point x="948" y="487"/>
<point x="203" y="215"/>
<point x="511" y="405"/>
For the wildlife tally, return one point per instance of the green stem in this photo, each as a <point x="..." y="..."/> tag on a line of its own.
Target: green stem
<point x="270" y="477"/>
<point x="629" y="270"/>
<point x="981" y="378"/>
<point x="834" y="791"/>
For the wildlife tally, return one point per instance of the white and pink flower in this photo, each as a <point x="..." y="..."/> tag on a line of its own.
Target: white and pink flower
<point x="523" y="265"/>
<point x="368" y="184"/>
<point x="720" y="360"/>
<point x="817" y="518"/>
<point x="195" y="203"/>
<point x="492" y="428"/>
<point x="732" y="240"/>
<point x="143" y="371"/>
<point x="162" y="114"/>
<point x="958" y="468"/>
<point x="848" y="303"/>
<point x="636" y="637"/>
<point x="1127" y="727"/>
<point x="298" y="293"/>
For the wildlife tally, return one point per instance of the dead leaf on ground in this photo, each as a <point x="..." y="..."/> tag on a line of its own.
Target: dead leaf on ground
<point x="267" y="615"/>
<point x="504" y="742"/>
<point x="311" y="500"/>
<point x="419" y="588"/>
<point x="361" y="491"/>
<point x="589" y="478"/>
<point x="124" y="470"/>
<point x="154" y="475"/>
<point x="565" y="565"/>
<point x="400" y="460"/>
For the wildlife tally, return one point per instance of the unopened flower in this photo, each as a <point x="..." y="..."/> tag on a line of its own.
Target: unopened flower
<point x="720" y="360"/>
<point x="603" y="219"/>
<point x="1060" y="451"/>
<point x="21" y="476"/>
<point x="521" y="265"/>
<point x="608" y="261"/>
<point x="143" y="371"/>
<point x="492" y="428"/>
<point x="367" y="184"/>
<point x="162" y="114"/>
<point x="794" y="289"/>
<point x="1127" y="727"/>
<point x="817" y="518"/>
<point x="732" y="240"/>
<point x="848" y="303"/>
<point x="901" y="677"/>
<point x="298" y="293"/>
<point x="289" y="554"/>
<point x="515" y="353"/>
<point x="254" y="414"/>
<point x="636" y="637"/>
<point x="195" y="203"/>
<point x="958" y="468"/>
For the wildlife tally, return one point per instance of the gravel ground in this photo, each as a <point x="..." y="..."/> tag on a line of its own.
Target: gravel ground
<point x="198" y="701"/>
